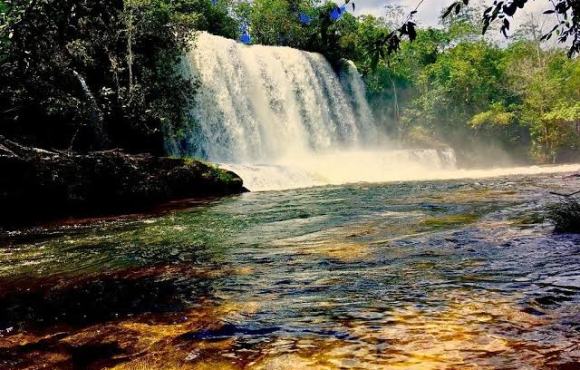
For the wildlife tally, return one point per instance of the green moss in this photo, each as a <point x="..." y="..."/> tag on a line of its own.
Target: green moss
<point x="450" y="220"/>
<point x="565" y="215"/>
<point x="532" y="218"/>
<point x="211" y="171"/>
<point x="224" y="176"/>
<point x="191" y="160"/>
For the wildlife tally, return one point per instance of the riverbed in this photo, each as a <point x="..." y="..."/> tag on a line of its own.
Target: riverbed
<point x="455" y="274"/>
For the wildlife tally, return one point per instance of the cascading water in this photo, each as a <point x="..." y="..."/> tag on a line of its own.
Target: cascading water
<point x="261" y="103"/>
<point x="355" y="88"/>
<point x="281" y="118"/>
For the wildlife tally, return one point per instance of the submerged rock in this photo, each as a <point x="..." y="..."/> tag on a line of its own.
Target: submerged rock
<point x="38" y="184"/>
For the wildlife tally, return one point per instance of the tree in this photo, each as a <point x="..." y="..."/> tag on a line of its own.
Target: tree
<point x="94" y="74"/>
<point x="547" y="86"/>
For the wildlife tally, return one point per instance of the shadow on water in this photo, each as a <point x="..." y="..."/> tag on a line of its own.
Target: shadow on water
<point x="52" y="309"/>
<point x="82" y="301"/>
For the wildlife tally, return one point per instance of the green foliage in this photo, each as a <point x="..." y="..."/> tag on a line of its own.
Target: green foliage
<point x="474" y="95"/>
<point x="225" y="177"/>
<point x="547" y="89"/>
<point x="94" y="74"/>
<point x="213" y="18"/>
<point x="496" y="116"/>
<point x="371" y="36"/>
<point x="277" y="22"/>
<point x="272" y="23"/>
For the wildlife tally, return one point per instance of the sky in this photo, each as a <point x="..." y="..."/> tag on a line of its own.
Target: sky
<point x="430" y="10"/>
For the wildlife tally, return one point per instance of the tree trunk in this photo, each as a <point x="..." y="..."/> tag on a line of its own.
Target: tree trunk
<point x="396" y="108"/>
<point x="96" y="116"/>
<point x="130" y="56"/>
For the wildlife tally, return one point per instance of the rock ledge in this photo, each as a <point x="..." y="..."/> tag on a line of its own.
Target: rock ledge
<point x="37" y="184"/>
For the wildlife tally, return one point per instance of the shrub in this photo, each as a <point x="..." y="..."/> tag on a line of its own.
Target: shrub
<point x="565" y="215"/>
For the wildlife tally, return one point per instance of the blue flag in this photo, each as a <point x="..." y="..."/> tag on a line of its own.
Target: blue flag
<point x="337" y="13"/>
<point x="304" y="19"/>
<point x="246" y="38"/>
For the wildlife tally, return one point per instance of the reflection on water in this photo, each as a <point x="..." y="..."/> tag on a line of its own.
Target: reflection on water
<point x="441" y="275"/>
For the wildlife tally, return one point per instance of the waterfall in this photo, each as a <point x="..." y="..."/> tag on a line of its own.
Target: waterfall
<point x="354" y="86"/>
<point x="262" y="102"/>
<point x="281" y="118"/>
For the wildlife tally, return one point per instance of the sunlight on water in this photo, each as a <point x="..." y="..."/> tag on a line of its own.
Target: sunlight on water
<point x="424" y="275"/>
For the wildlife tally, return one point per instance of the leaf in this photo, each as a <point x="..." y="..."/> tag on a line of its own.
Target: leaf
<point x="510" y="9"/>
<point x="449" y="10"/>
<point x="412" y="32"/>
<point x="485" y="26"/>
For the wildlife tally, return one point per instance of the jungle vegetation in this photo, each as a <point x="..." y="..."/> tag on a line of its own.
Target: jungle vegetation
<point x="97" y="74"/>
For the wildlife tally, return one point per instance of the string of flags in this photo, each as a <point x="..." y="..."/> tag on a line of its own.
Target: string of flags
<point x="335" y="15"/>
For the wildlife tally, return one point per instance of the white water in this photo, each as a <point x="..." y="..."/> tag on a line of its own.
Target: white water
<point x="281" y="118"/>
<point x="371" y="166"/>
<point x="341" y="167"/>
<point x="261" y="103"/>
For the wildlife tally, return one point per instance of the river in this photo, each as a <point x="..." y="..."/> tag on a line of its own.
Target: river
<point x="455" y="274"/>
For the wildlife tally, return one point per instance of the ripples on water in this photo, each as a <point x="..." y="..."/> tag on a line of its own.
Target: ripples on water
<point x="454" y="275"/>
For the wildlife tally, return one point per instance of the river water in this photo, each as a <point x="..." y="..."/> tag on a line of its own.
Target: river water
<point x="456" y="274"/>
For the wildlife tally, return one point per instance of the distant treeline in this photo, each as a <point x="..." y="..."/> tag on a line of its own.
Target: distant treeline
<point x="98" y="74"/>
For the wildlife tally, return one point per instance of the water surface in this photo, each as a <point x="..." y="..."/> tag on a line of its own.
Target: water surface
<point x="461" y="274"/>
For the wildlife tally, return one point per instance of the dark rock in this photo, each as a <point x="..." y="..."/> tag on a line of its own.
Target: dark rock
<point x="37" y="184"/>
